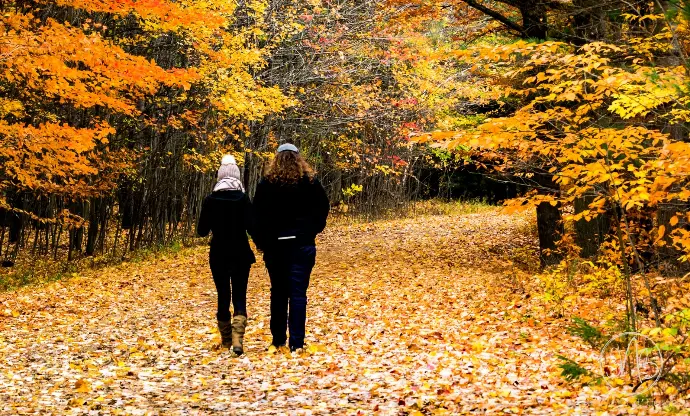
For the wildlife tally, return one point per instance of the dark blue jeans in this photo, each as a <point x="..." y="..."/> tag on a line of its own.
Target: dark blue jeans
<point x="289" y="266"/>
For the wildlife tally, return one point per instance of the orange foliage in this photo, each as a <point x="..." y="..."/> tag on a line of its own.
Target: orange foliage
<point x="71" y="91"/>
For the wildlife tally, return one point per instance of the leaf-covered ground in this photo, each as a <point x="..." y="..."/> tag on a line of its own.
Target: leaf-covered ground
<point x="413" y="316"/>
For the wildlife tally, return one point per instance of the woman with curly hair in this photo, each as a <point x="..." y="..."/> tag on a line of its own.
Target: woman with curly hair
<point x="290" y="207"/>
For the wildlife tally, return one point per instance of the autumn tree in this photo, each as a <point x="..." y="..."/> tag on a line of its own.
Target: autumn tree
<point x="121" y="104"/>
<point x="343" y="70"/>
<point x="114" y="114"/>
<point x="596" y="119"/>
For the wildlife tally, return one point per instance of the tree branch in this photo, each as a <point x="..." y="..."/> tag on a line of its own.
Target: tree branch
<point x="496" y="15"/>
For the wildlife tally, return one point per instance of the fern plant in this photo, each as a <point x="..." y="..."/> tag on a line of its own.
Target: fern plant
<point x="590" y="334"/>
<point x="571" y="370"/>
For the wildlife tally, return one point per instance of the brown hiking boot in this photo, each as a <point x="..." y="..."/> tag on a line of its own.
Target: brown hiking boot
<point x="239" y="324"/>
<point x="225" y="329"/>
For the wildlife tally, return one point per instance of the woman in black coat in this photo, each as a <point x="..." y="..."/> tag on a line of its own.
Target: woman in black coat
<point x="227" y="214"/>
<point x="290" y="207"/>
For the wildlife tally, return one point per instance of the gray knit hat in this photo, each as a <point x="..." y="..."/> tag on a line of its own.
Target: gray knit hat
<point x="288" y="147"/>
<point x="228" y="168"/>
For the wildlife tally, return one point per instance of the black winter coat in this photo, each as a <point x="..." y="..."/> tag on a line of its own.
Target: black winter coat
<point x="228" y="216"/>
<point x="282" y="210"/>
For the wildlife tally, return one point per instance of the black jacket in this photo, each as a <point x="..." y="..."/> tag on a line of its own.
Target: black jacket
<point x="228" y="215"/>
<point x="283" y="210"/>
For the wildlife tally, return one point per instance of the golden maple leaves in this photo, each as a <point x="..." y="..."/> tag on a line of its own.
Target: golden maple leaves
<point x="393" y="326"/>
<point x="68" y="87"/>
<point x="590" y="116"/>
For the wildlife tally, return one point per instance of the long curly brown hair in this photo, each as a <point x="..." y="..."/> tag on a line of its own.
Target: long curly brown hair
<point x="288" y="167"/>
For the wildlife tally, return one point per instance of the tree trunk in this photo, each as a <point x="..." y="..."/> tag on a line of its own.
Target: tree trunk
<point x="589" y="235"/>
<point x="550" y="229"/>
<point x="589" y="22"/>
<point x="549" y="222"/>
<point x="77" y="234"/>
<point x="534" y="20"/>
<point x="92" y="233"/>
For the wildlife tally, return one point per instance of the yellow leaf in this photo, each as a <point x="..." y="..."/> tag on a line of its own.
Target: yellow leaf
<point x="82" y="386"/>
<point x="76" y="402"/>
<point x="673" y="221"/>
<point x="312" y="348"/>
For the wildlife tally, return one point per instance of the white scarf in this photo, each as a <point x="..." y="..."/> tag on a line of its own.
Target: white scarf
<point x="229" y="184"/>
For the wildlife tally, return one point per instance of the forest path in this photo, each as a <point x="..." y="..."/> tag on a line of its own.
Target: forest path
<point x="404" y="316"/>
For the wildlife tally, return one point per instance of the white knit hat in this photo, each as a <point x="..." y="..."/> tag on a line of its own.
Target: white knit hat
<point x="228" y="160"/>
<point x="228" y="168"/>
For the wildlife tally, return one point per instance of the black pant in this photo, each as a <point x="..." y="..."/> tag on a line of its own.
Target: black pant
<point x="227" y="273"/>
<point x="289" y="266"/>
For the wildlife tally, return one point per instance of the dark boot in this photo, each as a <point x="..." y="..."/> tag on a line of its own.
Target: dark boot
<point x="239" y="324"/>
<point x="225" y="329"/>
